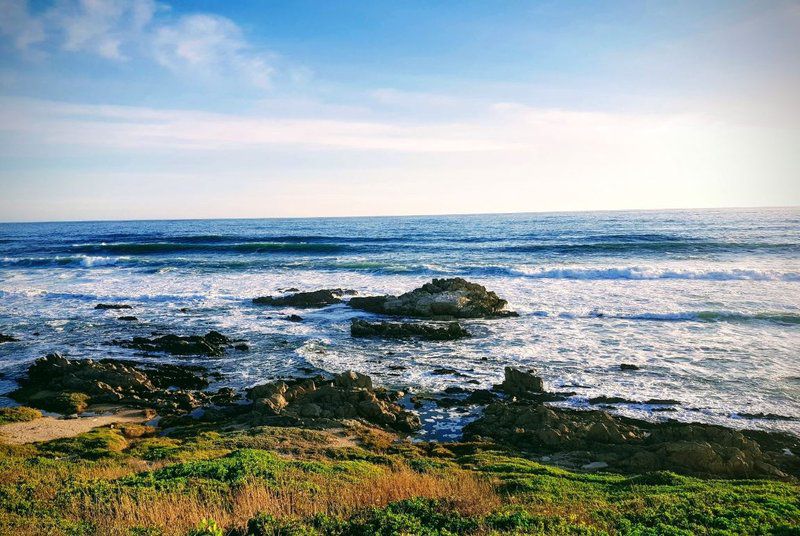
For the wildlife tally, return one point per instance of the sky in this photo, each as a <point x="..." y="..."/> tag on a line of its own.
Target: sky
<point x="138" y="109"/>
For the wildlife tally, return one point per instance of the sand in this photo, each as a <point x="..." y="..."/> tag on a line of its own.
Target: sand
<point x="48" y="428"/>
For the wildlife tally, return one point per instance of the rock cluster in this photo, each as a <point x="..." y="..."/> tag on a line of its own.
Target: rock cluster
<point x="212" y="343"/>
<point x="350" y="395"/>
<point x="632" y="445"/>
<point x="316" y="298"/>
<point x="396" y="330"/>
<point x="441" y="298"/>
<point x="64" y="385"/>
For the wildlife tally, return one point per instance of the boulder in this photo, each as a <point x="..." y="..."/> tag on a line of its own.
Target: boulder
<point x="316" y="298"/>
<point x="441" y="298"/>
<point x="633" y="445"/>
<point x="349" y="395"/>
<point x="521" y="383"/>
<point x="212" y="343"/>
<point x="396" y="330"/>
<point x="63" y="385"/>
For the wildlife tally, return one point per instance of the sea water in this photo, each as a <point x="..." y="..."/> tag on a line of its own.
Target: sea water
<point x="705" y="302"/>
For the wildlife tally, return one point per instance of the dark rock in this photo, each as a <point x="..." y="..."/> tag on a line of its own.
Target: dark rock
<point x="620" y="400"/>
<point x="113" y="306"/>
<point x="242" y="347"/>
<point x="635" y="445"/>
<point x="521" y="383"/>
<point x="445" y="371"/>
<point x="349" y="396"/>
<point x="294" y="318"/>
<point x="184" y="310"/>
<point x="7" y="338"/>
<point x="441" y="298"/>
<point x="767" y="416"/>
<point x="63" y="385"/>
<point x="396" y="330"/>
<point x="316" y="298"/>
<point x="128" y="318"/>
<point x="628" y="366"/>
<point x="480" y="397"/>
<point x="212" y="343"/>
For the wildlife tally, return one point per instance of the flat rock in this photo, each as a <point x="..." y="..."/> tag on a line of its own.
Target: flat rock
<point x="441" y="298"/>
<point x="212" y="343"/>
<point x="316" y="298"/>
<point x="406" y="330"/>
<point x="112" y="306"/>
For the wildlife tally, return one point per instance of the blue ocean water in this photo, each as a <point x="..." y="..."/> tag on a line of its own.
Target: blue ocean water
<point x="706" y="302"/>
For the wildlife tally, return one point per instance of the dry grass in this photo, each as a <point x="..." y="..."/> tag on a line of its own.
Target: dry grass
<point x="175" y="514"/>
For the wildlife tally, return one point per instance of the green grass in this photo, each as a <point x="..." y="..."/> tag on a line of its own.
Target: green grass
<point x="18" y="414"/>
<point x="51" y="488"/>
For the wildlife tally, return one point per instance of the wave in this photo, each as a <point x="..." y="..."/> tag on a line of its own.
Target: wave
<point x="709" y="316"/>
<point x="161" y="248"/>
<point x="85" y="261"/>
<point x="646" y="273"/>
<point x="643" y="246"/>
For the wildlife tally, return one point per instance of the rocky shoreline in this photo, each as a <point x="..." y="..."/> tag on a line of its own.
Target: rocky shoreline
<point x="516" y="414"/>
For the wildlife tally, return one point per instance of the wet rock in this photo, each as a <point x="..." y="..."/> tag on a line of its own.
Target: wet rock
<point x="128" y="318"/>
<point x="212" y="343"/>
<point x="242" y="347"/>
<point x="316" y="298"/>
<point x="396" y="330"/>
<point x="445" y="371"/>
<point x="767" y="416"/>
<point x="480" y="397"/>
<point x="635" y="445"/>
<point x="441" y="298"/>
<point x="349" y="395"/>
<point x="7" y="338"/>
<point x="620" y="400"/>
<point x="628" y="366"/>
<point x="112" y="306"/>
<point x="63" y="385"/>
<point x="294" y="318"/>
<point x="521" y="383"/>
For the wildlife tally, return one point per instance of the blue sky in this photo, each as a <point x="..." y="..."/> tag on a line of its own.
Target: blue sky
<point x="117" y="109"/>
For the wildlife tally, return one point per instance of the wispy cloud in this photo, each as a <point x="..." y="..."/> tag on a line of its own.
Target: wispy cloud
<point x="198" y="44"/>
<point x="210" y="44"/>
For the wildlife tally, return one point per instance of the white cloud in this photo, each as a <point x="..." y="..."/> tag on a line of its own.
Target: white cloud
<point x="19" y="26"/>
<point x="209" y="44"/>
<point x="196" y="44"/>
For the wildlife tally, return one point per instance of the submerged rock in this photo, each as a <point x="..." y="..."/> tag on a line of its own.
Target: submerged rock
<point x="406" y="330"/>
<point x="7" y="338"/>
<point x="349" y="395"/>
<point x="635" y="445"/>
<point x="212" y="343"/>
<point x="316" y="298"/>
<point x="128" y="318"/>
<point x="441" y="298"/>
<point x="628" y="366"/>
<point x="64" y="385"/>
<point x="112" y="306"/>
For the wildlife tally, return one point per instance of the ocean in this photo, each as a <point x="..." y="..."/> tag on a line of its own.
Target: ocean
<point x="705" y="302"/>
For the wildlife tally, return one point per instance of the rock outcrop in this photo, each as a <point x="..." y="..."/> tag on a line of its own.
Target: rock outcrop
<point x="212" y="343"/>
<point x="7" y="338"/>
<point x="396" y="330"/>
<point x="441" y="298"/>
<point x="521" y="383"/>
<point x="634" y="445"/>
<point x="348" y="396"/>
<point x="56" y="383"/>
<point x="316" y="298"/>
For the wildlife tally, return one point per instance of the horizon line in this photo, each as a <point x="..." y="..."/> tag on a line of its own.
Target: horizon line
<point x="431" y="215"/>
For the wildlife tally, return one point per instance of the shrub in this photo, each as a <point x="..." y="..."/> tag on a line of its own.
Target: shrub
<point x="18" y="414"/>
<point x="207" y="527"/>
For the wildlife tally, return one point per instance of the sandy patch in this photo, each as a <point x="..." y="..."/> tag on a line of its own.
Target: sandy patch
<point x="48" y="428"/>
